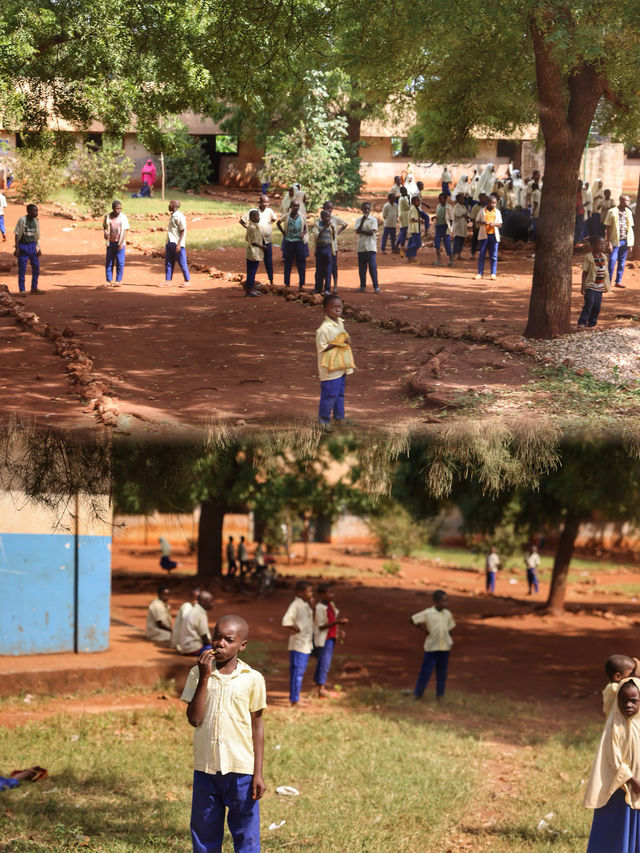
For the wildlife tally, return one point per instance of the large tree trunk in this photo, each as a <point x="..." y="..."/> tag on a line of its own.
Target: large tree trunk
<point x="210" y="541"/>
<point x="561" y="563"/>
<point x="565" y="125"/>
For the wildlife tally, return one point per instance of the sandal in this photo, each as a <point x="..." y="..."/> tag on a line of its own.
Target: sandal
<point x="38" y="773"/>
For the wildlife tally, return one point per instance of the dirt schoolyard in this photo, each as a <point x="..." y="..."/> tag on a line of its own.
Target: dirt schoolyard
<point x="435" y="343"/>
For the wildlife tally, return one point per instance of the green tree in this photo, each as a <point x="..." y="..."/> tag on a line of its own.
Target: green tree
<point x="100" y="175"/>
<point x="478" y="67"/>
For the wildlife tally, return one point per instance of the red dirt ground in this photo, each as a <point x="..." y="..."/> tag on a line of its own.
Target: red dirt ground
<point x="174" y="358"/>
<point x="501" y="646"/>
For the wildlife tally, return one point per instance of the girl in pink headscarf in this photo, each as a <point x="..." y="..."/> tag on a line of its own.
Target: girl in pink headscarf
<point x="149" y="173"/>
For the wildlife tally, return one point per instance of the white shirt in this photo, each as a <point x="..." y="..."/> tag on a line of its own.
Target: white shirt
<point x="159" y="611"/>
<point x="195" y="626"/>
<point x="320" y="618"/>
<point x="299" y="615"/>
<point x="265" y="223"/>
<point x="177" y="624"/>
<point x="493" y="563"/>
<point x="439" y="624"/>
<point x="337" y="223"/>
<point x="390" y="215"/>
<point x="460" y="214"/>
<point x="223" y="742"/>
<point x="177" y="230"/>
<point x="3" y="203"/>
<point x="367" y="242"/>
<point x="532" y="560"/>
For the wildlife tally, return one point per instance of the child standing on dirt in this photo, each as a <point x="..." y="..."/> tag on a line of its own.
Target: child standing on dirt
<point x="326" y="630"/>
<point x="115" y="226"/>
<point x="3" y="207"/>
<point x="613" y="789"/>
<point x="617" y="667"/>
<point x="27" y="249"/>
<point x="491" y="568"/>
<point x="226" y="699"/>
<point x="532" y="562"/>
<point x="595" y="282"/>
<point x="298" y="620"/>
<point x="437" y="622"/>
<point x="335" y="361"/>
<point x="255" y="252"/>
<point x="176" y="242"/>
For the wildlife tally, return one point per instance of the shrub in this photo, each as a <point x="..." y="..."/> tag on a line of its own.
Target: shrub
<point x="100" y="175"/>
<point x="391" y="567"/>
<point x="39" y="173"/>
<point x="398" y="532"/>
<point x="189" y="166"/>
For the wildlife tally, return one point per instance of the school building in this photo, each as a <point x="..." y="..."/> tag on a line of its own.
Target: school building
<point x="55" y="566"/>
<point x="384" y="151"/>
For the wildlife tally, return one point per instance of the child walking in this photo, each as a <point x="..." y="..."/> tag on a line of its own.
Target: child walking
<point x="255" y="252"/>
<point x="389" y="222"/>
<point x="175" y="250"/>
<point x="27" y="249"/>
<point x="595" y="281"/>
<point x="115" y="226"/>
<point x="326" y="630"/>
<point x="613" y="789"/>
<point x="335" y="361"/>
<point x="226" y="699"/>
<point x="443" y="229"/>
<point x="404" y="208"/>
<point x="437" y="622"/>
<point x="298" y="620"/>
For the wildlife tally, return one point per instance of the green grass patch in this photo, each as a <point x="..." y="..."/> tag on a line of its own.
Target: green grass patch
<point x="227" y="236"/>
<point x="584" y="395"/>
<point x="135" y="207"/>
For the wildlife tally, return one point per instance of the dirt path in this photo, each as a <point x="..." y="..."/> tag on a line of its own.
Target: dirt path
<point x="176" y="358"/>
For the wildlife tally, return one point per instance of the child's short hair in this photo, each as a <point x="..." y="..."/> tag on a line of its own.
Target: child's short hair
<point x="439" y="594"/>
<point x="302" y="584"/>
<point x="330" y="297"/>
<point x="161" y="589"/>
<point x="594" y="240"/>
<point x="323" y="587"/>
<point x="618" y="663"/>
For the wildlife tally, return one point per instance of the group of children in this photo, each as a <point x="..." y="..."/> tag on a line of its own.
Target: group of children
<point x="613" y="789"/>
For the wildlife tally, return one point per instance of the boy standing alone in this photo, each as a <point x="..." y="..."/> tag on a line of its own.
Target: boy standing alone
<point x="255" y="252"/>
<point x="367" y="230"/>
<point x="595" y="281"/>
<point x="27" y="248"/>
<point x="331" y="335"/>
<point x="115" y="226"/>
<point x="226" y="700"/>
<point x="298" y="620"/>
<point x="437" y="622"/>
<point x="176" y="240"/>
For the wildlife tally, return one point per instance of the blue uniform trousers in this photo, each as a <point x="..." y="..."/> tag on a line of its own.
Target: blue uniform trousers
<point x="252" y="269"/>
<point x="489" y="245"/>
<point x="402" y="235"/>
<point x="334" y="270"/>
<point x="324" y="260"/>
<point x="458" y="245"/>
<point x="413" y="245"/>
<point x="367" y="260"/>
<point x="442" y="235"/>
<point x="325" y="654"/>
<point x="618" y="256"/>
<point x="297" y="667"/>
<point x="268" y="260"/>
<point x="213" y="793"/>
<point x="591" y="308"/>
<point x="332" y="399"/>
<point x="115" y="258"/>
<point x="27" y="252"/>
<point x="295" y="251"/>
<point x="388" y="233"/>
<point x="170" y="258"/>
<point x="439" y="660"/>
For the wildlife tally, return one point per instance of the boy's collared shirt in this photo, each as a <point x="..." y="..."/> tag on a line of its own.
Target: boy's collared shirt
<point x="267" y="220"/>
<point x="390" y="215"/>
<point x="177" y="622"/>
<point x="439" y="624"/>
<point x="254" y="236"/>
<point x="414" y="220"/>
<point x="532" y="560"/>
<point x="404" y="206"/>
<point x="323" y="235"/>
<point x="597" y="273"/>
<point x="367" y="242"/>
<point x="117" y="226"/>
<point x="460" y="214"/>
<point x="612" y="222"/>
<point x="337" y="223"/>
<point x="300" y="615"/>
<point x="223" y="742"/>
<point x="177" y="230"/>
<point x="27" y="230"/>
<point x="327" y="332"/>
<point x="195" y="626"/>
<point x="159" y="611"/>
<point x="324" y="613"/>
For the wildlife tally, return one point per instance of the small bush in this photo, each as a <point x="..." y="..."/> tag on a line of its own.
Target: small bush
<point x="398" y="532"/>
<point x="100" y="175"/>
<point x="189" y="166"/>
<point x="39" y="173"/>
<point x="391" y="567"/>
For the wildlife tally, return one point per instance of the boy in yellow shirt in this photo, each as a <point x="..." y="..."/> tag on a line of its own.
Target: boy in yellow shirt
<point x="437" y="622"/>
<point x="226" y="699"/>
<point x="331" y="335"/>
<point x="255" y="252"/>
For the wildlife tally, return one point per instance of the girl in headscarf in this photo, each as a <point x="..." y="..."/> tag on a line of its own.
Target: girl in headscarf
<point x="148" y="173"/>
<point x="613" y="790"/>
<point x="445" y="180"/>
<point x="598" y="197"/>
<point x="461" y="187"/>
<point x="486" y="182"/>
<point x="518" y="187"/>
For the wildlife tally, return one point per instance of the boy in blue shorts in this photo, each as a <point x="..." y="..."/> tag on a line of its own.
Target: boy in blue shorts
<point x="226" y="699"/>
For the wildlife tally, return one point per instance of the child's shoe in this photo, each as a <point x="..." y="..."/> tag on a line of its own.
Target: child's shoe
<point x="493" y="276"/>
<point x="477" y="276"/>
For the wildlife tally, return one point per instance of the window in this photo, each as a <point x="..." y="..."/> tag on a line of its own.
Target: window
<point x="93" y="140"/>
<point x="399" y="146"/>
<point x="226" y="144"/>
<point x="507" y="148"/>
<point x="632" y="153"/>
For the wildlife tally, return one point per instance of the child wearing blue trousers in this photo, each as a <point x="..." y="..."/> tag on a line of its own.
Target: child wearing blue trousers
<point x="226" y="698"/>
<point x="326" y="630"/>
<point x="437" y="622"/>
<point x="298" y="620"/>
<point x="115" y="226"/>
<point x="3" y="207"/>
<point x="489" y="221"/>
<point x="27" y="248"/>
<point x="331" y="335"/>
<point x="255" y="252"/>
<point x="176" y="240"/>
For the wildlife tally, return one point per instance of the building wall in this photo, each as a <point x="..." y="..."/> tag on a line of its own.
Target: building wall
<point x="605" y="161"/>
<point x="179" y="529"/>
<point x="55" y="566"/>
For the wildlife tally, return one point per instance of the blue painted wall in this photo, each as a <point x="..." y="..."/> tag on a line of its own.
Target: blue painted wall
<point x="37" y="593"/>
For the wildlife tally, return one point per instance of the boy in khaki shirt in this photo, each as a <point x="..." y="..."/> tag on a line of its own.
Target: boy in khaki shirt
<point x="255" y="252"/>
<point x="226" y="700"/>
<point x="437" y="622"/>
